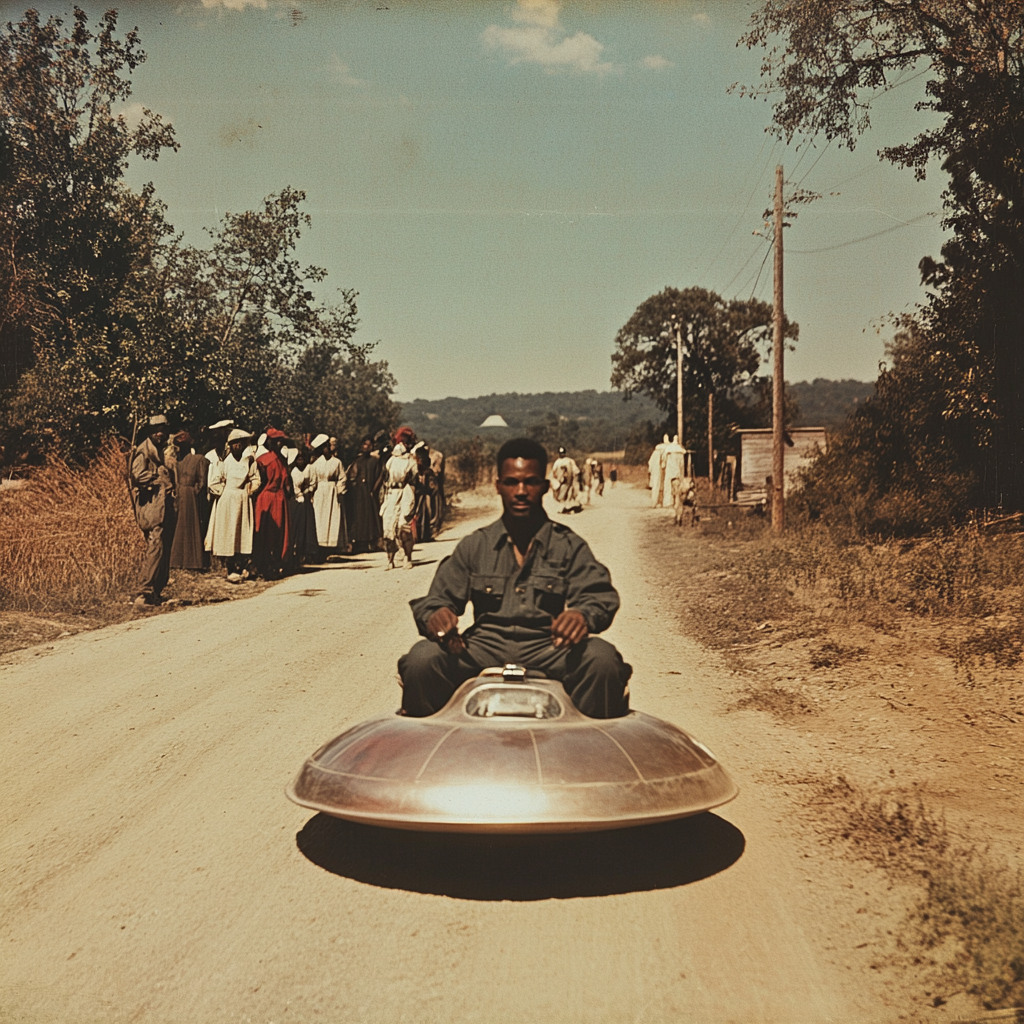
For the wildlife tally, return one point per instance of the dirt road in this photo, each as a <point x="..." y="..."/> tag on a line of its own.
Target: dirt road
<point x="152" y="869"/>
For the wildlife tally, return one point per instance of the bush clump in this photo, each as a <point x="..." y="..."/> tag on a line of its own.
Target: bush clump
<point x="71" y="543"/>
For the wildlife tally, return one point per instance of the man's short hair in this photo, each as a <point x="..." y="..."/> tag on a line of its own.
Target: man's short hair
<point x="522" y="448"/>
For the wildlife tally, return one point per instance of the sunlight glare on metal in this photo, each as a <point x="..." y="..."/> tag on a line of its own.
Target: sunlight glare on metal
<point x="498" y="803"/>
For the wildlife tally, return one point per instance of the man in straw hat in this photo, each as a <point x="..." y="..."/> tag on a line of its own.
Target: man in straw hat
<point x="152" y="490"/>
<point x="235" y="482"/>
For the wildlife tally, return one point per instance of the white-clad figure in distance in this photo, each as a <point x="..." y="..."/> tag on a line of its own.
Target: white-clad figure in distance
<point x="328" y="507"/>
<point x="656" y="471"/>
<point x="565" y="475"/>
<point x="398" y="499"/>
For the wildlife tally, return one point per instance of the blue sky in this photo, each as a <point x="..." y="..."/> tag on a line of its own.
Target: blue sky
<point x="503" y="183"/>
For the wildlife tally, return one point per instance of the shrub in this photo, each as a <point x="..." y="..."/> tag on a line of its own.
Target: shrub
<point x="71" y="542"/>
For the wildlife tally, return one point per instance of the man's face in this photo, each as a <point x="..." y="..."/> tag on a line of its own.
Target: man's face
<point x="366" y="447"/>
<point x="522" y="486"/>
<point x="159" y="436"/>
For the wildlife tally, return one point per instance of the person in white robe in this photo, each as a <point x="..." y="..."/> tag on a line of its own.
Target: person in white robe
<point x="674" y="463"/>
<point x="301" y="517"/>
<point x="565" y="474"/>
<point x="398" y="500"/>
<point x="656" y="471"/>
<point x="235" y="482"/>
<point x="331" y="484"/>
<point x="218" y="434"/>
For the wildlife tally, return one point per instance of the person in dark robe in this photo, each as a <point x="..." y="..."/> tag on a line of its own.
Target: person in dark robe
<point x="437" y="464"/>
<point x="426" y="495"/>
<point x="270" y="542"/>
<point x="363" y="505"/>
<point x="188" y="551"/>
<point x="381" y="452"/>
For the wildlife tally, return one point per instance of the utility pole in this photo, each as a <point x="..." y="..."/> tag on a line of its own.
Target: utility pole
<point x="778" y="380"/>
<point x="679" y="378"/>
<point x="711" y="443"/>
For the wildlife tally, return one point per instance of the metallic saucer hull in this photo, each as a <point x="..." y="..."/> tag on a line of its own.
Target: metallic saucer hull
<point x="459" y="772"/>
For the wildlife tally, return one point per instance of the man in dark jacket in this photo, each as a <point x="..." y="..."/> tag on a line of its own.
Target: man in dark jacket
<point x="153" y="498"/>
<point x="538" y="596"/>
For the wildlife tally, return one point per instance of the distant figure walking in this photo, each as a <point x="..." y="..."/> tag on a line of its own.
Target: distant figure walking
<point x="231" y="527"/>
<point x="271" y="547"/>
<point x="398" y="499"/>
<point x="599" y="478"/>
<point x="426" y="495"/>
<point x="187" y="551"/>
<point x="438" y="465"/>
<point x="331" y="484"/>
<point x="565" y="474"/>
<point x="362" y="508"/>
<point x="613" y="474"/>
<point x="153" y="499"/>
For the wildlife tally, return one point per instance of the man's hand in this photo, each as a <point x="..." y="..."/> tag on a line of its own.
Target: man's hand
<point x="443" y="628"/>
<point x="569" y="628"/>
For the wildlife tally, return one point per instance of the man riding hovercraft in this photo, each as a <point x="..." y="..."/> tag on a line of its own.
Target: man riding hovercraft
<point x="538" y="597"/>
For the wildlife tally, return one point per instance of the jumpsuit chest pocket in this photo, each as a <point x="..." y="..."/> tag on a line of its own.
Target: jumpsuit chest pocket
<point x="486" y="593"/>
<point x="549" y="593"/>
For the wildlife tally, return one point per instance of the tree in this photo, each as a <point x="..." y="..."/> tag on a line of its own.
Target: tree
<point x="71" y="233"/>
<point x="106" y="317"/>
<point x="720" y="353"/>
<point x="822" y="62"/>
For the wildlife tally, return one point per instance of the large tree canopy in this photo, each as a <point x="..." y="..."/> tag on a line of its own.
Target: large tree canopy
<point x="71" y="232"/>
<point x="105" y="316"/>
<point x="823" y="62"/>
<point x="721" y="340"/>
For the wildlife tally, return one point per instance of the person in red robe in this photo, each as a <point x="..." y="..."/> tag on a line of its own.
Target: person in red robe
<point x="270" y="543"/>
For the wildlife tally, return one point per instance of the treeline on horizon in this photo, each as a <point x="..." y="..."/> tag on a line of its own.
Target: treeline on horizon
<point x="605" y="421"/>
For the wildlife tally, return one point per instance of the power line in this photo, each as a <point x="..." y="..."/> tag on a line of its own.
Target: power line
<point x="863" y="238"/>
<point x="757" y="280"/>
<point x="725" y="290"/>
<point x="746" y="206"/>
<point x="815" y="164"/>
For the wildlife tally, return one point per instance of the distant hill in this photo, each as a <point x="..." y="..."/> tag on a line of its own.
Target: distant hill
<point x="596" y="420"/>
<point x="828" y="403"/>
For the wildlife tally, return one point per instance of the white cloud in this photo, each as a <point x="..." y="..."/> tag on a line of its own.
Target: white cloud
<point x="132" y="114"/>
<point x="657" y="63"/>
<point x="236" y="5"/>
<point x="538" y="38"/>
<point x="703" y="19"/>
<point x="341" y="73"/>
<point x="537" y="12"/>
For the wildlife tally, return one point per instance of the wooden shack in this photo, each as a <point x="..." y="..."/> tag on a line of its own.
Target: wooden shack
<point x="802" y="444"/>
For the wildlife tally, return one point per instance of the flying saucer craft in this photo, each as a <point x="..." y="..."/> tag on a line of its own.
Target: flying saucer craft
<point x="510" y="753"/>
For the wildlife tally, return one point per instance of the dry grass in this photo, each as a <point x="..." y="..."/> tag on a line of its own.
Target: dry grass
<point x="971" y="582"/>
<point x="71" y="544"/>
<point x="970" y="915"/>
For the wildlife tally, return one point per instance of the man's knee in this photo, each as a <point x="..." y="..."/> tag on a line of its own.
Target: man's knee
<point x="430" y="675"/>
<point x="598" y="684"/>
<point x="602" y="659"/>
<point x="423" y="659"/>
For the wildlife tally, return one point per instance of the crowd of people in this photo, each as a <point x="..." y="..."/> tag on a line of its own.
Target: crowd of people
<point x="259" y="508"/>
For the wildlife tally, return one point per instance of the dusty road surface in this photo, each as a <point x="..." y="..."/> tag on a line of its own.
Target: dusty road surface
<point x="152" y="869"/>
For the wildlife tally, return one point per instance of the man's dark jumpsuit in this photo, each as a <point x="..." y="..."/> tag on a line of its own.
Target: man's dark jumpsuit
<point x="513" y="608"/>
